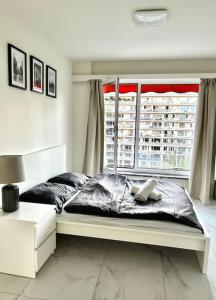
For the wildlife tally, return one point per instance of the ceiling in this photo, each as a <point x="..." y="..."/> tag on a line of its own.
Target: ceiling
<point x="104" y="30"/>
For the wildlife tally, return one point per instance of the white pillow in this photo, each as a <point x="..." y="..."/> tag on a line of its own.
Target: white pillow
<point x="155" y="195"/>
<point x="145" y="190"/>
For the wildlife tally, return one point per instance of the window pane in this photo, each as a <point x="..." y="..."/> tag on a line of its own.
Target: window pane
<point x="166" y="130"/>
<point x="109" y="101"/>
<point x="126" y="129"/>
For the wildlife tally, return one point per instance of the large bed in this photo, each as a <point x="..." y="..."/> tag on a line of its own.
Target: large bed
<point x="42" y="165"/>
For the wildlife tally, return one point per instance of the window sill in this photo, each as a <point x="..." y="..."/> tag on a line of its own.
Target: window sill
<point x="153" y="173"/>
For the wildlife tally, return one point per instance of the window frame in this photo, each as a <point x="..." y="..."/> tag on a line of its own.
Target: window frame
<point x="136" y="170"/>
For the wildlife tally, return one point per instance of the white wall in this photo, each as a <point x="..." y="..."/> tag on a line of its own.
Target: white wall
<point x="30" y="121"/>
<point x="79" y="123"/>
<point x="154" y="66"/>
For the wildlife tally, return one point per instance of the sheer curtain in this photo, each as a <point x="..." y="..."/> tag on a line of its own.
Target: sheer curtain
<point x="204" y="149"/>
<point x="94" y="150"/>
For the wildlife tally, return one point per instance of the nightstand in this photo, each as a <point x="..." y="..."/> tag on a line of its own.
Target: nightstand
<point x="27" y="238"/>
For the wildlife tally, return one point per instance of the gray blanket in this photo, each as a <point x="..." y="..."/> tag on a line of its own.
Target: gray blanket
<point x="110" y="195"/>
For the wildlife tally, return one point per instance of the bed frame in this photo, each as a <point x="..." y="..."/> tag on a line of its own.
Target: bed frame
<point x="50" y="162"/>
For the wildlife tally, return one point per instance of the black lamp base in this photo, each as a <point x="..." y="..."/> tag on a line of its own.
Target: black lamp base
<point x="10" y="198"/>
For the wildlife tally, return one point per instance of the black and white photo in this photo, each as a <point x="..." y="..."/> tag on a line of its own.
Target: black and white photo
<point x="36" y="75"/>
<point x="51" y="82"/>
<point x="17" y="70"/>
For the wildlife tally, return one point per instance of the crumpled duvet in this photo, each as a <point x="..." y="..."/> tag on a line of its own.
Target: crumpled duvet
<point x="110" y="195"/>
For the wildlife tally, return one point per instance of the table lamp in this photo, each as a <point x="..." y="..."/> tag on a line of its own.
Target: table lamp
<point x="11" y="171"/>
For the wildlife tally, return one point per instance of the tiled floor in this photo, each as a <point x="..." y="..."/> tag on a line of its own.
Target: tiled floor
<point x="91" y="269"/>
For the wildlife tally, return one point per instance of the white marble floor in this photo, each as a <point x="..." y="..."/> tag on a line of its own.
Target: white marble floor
<point x="93" y="269"/>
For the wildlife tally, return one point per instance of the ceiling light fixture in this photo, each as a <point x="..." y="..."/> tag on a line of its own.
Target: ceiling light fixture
<point x="150" y="17"/>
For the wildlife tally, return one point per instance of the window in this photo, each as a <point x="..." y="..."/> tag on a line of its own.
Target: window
<point x="155" y="127"/>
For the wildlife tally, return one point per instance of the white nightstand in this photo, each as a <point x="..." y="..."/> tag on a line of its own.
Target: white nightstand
<point x="27" y="238"/>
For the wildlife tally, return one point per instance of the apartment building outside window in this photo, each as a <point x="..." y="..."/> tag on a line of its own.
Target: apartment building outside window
<point x="154" y="125"/>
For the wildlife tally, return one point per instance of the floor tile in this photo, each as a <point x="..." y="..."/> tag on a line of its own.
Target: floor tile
<point x="130" y="271"/>
<point x="208" y="216"/>
<point x="65" y="278"/>
<point x="5" y="296"/>
<point x="27" y="298"/>
<point x="182" y="276"/>
<point x="211" y="273"/>
<point x="81" y="247"/>
<point x="12" y="284"/>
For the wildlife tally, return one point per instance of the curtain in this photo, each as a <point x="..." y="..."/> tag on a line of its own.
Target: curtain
<point x="204" y="149"/>
<point x="94" y="149"/>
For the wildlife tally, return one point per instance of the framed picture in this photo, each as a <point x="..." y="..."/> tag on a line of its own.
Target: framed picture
<point x="36" y="75"/>
<point x="51" y="82"/>
<point x="17" y="70"/>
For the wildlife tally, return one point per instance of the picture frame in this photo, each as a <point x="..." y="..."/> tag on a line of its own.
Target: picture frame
<point x="36" y="75"/>
<point x="51" y="82"/>
<point x="17" y="67"/>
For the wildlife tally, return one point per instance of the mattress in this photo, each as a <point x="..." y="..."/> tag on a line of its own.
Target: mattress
<point x="65" y="217"/>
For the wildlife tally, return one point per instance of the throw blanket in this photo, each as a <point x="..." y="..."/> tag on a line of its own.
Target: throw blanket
<point x="110" y="195"/>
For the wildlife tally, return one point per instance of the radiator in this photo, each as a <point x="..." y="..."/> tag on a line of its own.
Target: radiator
<point x="180" y="181"/>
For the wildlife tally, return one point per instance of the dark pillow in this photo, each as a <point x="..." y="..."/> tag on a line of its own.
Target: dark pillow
<point x="49" y="193"/>
<point x="74" y="179"/>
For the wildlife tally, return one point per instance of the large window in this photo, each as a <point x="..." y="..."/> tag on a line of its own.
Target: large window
<point x="154" y="125"/>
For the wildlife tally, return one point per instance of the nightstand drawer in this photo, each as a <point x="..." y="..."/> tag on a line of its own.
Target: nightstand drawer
<point x="44" y="228"/>
<point x="27" y="238"/>
<point x="43" y="253"/>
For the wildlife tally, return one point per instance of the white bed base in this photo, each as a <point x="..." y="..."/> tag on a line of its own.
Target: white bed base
<point x="49" y="162"/>
<point x="150" y="236"/>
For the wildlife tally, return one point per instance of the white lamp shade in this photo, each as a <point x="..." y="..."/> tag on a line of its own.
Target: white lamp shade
<point x="11" y="169"/>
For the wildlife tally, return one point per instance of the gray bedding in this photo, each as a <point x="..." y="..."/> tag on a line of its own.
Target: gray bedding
<point x="110" y="195"/>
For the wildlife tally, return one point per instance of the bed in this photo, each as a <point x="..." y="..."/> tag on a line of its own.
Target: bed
<point x="42" y="165"/>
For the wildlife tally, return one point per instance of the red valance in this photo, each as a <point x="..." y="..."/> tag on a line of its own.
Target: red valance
<point x="156" y="88"/>
<point x="123" y="88"/>
<point x="165" y="88"/>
